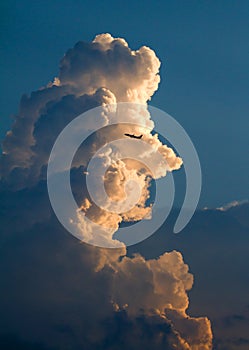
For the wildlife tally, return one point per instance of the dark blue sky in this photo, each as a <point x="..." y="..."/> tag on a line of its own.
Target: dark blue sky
<point x="203" y="47"/>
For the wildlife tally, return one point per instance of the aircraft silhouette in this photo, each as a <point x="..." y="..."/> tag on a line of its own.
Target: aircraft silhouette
<point x="134" y="136"/>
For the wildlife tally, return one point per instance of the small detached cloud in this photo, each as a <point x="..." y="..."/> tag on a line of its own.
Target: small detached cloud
<point x="232" y="205"/>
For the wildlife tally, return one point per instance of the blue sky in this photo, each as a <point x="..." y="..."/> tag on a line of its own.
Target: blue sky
<point x="203" y="47"/>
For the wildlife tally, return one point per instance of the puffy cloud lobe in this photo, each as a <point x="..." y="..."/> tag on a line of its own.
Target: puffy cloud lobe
<point x="27" y="146"/>
<point x="19" y="140"/>
<point x="195" y="331"/>
<point x="108" y="62"/>
<point x="163" y="285"/>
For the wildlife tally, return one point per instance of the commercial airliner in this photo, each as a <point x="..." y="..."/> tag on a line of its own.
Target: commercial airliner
<point x="134" y="136"/>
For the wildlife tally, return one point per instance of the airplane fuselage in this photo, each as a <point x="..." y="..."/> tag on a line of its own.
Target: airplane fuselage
<point x="134" y="136"/>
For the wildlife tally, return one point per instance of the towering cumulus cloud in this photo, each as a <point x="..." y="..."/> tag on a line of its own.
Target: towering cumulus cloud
<point x="144" y="302"/>
<point x="104" y="71"/>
